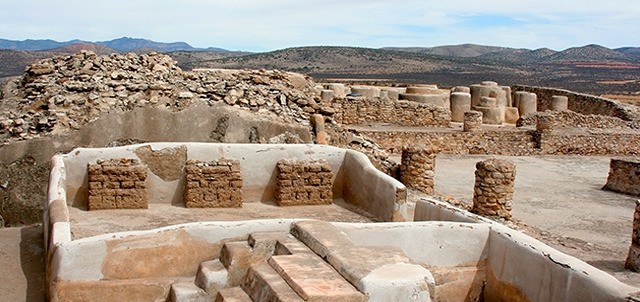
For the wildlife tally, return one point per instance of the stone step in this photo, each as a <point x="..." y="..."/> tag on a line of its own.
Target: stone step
<point x="232" y="294"/>
<point x="383" y="273"/>
<point x="320" y="236"/>
<point x="212" y="276"/>
<point x="276" y="243"/>
<point x="313" y="279"/>
<point x="263" y="283"/>
<point x="188" y="292"/>
<point x="236" y="257"/>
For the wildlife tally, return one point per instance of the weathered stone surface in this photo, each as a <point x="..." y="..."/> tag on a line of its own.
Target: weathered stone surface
<point x="358" y="111"/>
<point x="559" y="103"/>
<point x="313" y="279"/>
<point x="303" y="183"/>
<point x="320" y="236"/>
<point x="187" y="292"/>
<point x="494" y="186"/>
<point x="460" y="103"/>
<point x="632" y="262"/>
<point x="417" y="168"/>
<point x="117" y="184"/>
<point x="472" y="121"/>
<point x="624" y="176"/>
<point x="232" y="294"/>
<point x="216" y="184"/>
<point x="263" y="283"/>
<point x="212" y="276"/>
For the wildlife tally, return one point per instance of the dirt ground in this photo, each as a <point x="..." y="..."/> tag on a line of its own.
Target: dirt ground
<point x="558" y="200"/>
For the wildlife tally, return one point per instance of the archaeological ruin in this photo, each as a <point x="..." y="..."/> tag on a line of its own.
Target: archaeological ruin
<point x="159" y="184"/>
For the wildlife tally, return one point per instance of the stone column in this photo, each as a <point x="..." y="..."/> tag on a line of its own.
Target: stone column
<point x="493" y="191"/>
<point x="472" y="121"/>
<point x="460" y="103"/>
<point x="559" y="103"/>
<point x="317" y="121"/>
<point x="633" y="258"/>
<point x="545" y="122"/>
<point x="417" y="168"/>
<point x="527" y="103"/>
<point x="327" y="95"/>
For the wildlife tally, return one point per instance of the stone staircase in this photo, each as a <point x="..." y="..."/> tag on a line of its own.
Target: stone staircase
<point x="315" y="262"/>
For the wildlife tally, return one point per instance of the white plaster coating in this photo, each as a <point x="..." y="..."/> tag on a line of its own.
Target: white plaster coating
<point x="433" y="243"/>
<point x="371" y="189"/>
<point x="428" y="209"/>
<point x="61" y="233"/>
<point x="81" y="260"/>
<point x="539" y="271"/>
<point x="398" y="282"/>
<point x="545" y="274"/>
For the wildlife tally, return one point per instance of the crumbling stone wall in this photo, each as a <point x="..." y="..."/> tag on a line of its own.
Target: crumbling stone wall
<point x="303" y="183"/>
<point x="117" y="184"/>
<point x="624" y="176"/>
<point x="494" y="186"/>
<point x="581" y="103"/>
<point x="570" y="119"/>
<point x="417" y="168"/>
<point x="214" y="184"/>
<point x="518" y="142"/>
<point x="633" y="258"/>
<point x="357" y="111"/>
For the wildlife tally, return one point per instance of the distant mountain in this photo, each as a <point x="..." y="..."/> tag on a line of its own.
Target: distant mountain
<point x="463" y="50"/>
<point x="630" y="52"/>
<point x="14" y="62"/>
<point x="75" y="48"/>
<point x="588" y="53"/>
<point x="124" y="44"/>
<point x="519" y="56"/>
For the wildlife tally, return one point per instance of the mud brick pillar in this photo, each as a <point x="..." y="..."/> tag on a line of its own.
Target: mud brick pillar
<point x="633" y="258"/>
<point x="303" y="183"/>
<point x="117" y="184"/>
<point x="417" y="168"/>
<point x="472" y="121"/>
<point x="213" y="184"/>
<point x="494" y="186"/>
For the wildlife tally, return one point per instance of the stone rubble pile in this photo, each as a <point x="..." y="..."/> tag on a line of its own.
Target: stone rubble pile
<point x="66" y="92"/>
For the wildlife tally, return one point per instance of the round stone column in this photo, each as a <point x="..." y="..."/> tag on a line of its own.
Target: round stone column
<point x="472" y="121"/>
<point x="460" y="103"/>
<point x="559" y="103"/>
<point x="633" y="258"/>
<point x="417" y="168"/>
<point x="545" y="122"/>
<point x="527" y="103"/>
<point x="494" y="186"/>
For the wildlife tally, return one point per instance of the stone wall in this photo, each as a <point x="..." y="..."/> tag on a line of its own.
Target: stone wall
<point x="494" y="186"/>
<point x="303" y="183"/>
<point x="357" y="111"/>
<point x="624" y="176"/>
<point x="518" y="142"/>
<point x="570" y="119"/>
<point x="117" y="184"/>
<point x="581" y="103"/>
<point x="213" y="184"/>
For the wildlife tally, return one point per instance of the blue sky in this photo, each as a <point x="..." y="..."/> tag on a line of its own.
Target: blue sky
<point x="267" y="25"/>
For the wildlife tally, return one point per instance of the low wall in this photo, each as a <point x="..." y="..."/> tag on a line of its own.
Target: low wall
<point x="354" y="111"/>
<point x="518" y="142"/>
<point x="624" y="176"/>
<point x="581" y="103"/>
<point x="520" y="268"/>
<point x="27" y="162"/>
<point x="368" y="187"/>
<point x="570" y="119"/>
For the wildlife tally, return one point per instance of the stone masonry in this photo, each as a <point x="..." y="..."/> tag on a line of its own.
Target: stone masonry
<point x="417" y="168"/>
<point x="493" y="191"/>
<point x="303" y="183"/>
<point x="117" y="184"/>
<point x="633" y="258"/>
<point x="215" y="184"/>
<point x="624" y="176"/>
<point x="472" y="121"/>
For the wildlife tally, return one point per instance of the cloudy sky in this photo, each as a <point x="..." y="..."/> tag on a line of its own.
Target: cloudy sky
<point x="253" y="25"/>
